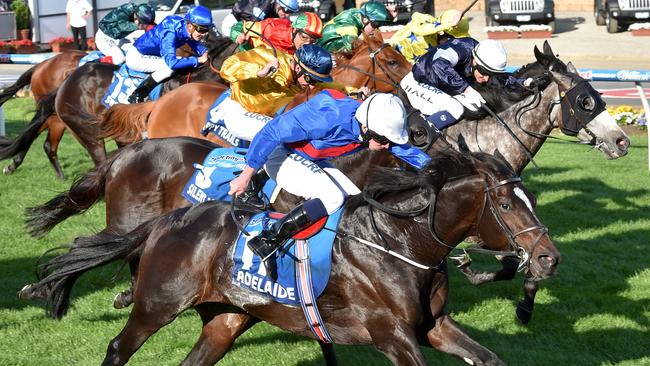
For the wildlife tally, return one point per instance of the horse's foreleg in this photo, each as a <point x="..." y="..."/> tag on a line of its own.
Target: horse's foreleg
<point x="397" y="342"/>
<point x="446" y="336"/>
<point x="217" y="337"/>
<point x="125" y="298"/>
<point x="526" y="305"/>
<point x="328" y="353"/>
<point x="51" y="144"/>
<point x="507" y="272"/>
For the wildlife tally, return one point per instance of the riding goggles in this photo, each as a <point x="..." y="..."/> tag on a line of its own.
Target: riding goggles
<point x="200" y="28"/>
<point x="380" y="139"/>
<point x="482" y="70"/>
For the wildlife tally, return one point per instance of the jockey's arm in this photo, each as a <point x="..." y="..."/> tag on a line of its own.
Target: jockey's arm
<point x="168" y="53"/>
<point x="410" y="155"/>
<point x="438" y="70"/>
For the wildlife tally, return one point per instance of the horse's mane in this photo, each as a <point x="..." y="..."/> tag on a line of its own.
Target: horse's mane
<point x="445" y="165"/>
<point x="216" y="43"/>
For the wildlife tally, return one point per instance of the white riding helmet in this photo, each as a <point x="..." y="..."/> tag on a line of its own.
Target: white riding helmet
<point x="385" y="115"/>
<point x="491" y="55"/>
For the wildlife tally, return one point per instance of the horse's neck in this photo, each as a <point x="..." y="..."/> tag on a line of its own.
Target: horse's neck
<point x="359" y="166"/>
<point x="488" y="135"/>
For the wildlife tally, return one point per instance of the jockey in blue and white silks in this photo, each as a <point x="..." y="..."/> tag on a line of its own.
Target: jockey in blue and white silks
<point x="155" y="51"/>
<point x="439" y="84"/>
<point x="294" y="149"/>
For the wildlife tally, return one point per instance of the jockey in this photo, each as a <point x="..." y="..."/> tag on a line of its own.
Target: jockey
<point x="119" y="23"/>
<point x="340" y="33"/>
<point x="424" y="32"/>
<point x="294" y="149"/>
<point x="259" y="92"/>
<point x="443" y="75"/>
<point x="283" y="34"/>
<point x="155" y="51"/>
<point x="256" y="10"/>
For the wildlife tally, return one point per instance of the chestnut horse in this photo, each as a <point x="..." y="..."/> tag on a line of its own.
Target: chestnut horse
<point x="126" y="123"/>
<point x="77" y="101"/>
<point x="396" y="307"/>
<point x="44" y="78"/>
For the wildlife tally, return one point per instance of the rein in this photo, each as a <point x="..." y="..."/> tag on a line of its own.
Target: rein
<point x="371" y="75"/>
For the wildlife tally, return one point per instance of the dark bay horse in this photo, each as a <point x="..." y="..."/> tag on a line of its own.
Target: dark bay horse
<point x="148" y="182"/>
<point x="78" y="99"/>
<point x="396" y="306"/>
<point x="44" y="79"/>
<point x="126" y="123"/>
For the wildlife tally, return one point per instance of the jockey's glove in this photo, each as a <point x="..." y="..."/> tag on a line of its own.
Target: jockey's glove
<point x="471" y="99"/>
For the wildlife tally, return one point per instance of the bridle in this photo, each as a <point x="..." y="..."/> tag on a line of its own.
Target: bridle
<point x="516" y="250"/>
<point x="371" y="75"/>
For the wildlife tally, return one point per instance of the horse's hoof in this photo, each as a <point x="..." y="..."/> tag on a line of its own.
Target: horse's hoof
<point x="461" y="261"/>
<point x="28" y="293"/>
<point x="524" y="313"/>
<point x="123" y="299"/>
<point x="7" y="171"/>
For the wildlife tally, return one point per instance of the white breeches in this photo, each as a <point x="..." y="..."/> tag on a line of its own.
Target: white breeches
<point x="428" y="99"/>
<point x="227" y="24"/>
<point x="309" y="179"/>
<point x="148" y="63"/>
<point x="109" y="47"/>
<point x="240" y="122"/>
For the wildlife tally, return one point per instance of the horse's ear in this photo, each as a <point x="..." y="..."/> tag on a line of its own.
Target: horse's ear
<point x="539" y="56"/>
<point x="547" y="49"/>
<point x="500" y="156"/>
<point x="562" y="80"/>
<point x="462" y="144"/>
<point x="570" y="68"/>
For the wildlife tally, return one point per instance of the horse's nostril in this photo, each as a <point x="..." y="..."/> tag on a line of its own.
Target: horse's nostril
<point x="623" y="143"/>
<point x="547" y="261"/>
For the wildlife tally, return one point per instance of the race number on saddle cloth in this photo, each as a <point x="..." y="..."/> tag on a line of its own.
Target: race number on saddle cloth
<point x="248" y="271"/>
<point x="210" y="181"/>
<point x="125" y="81"/>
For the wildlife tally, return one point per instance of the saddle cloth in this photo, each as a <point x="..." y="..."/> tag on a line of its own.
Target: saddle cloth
<point x="211" y="180"/>
<point x="250" y="273"/>
<point x="125" y="81"/>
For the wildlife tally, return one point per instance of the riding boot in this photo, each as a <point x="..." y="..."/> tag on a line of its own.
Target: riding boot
<point x="142" y="91"/>
<point x="253" y="196"/>
<point x="266" y="243"/>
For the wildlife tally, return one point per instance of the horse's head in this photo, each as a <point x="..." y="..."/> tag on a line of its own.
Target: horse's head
<point x="507" y="220"/>
<point x="374" y="64"/>
<point x="579" y="109"/>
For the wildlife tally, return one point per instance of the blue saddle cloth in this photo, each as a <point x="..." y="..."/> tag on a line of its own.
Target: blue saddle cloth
<point x="211" y="180"/>
<point x="250" y="273"/>
<point x="124" y="83"/>
<point x="93" y="56"/>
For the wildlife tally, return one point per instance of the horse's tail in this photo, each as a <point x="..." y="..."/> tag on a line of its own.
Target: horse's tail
<point x="10" y="147"/>
<point x="82" y="195"/>
<point x="58" y="275"/>
<point x="23" y="80"/>
<point x="126" y="122"/>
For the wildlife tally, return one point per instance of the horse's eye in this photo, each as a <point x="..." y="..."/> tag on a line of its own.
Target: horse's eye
<point x="392" y="62"/>
<point x="586" y="102"/>
<point x="504" y="206"/>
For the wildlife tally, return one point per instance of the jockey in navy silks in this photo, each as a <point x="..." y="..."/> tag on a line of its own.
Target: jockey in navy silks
<point x="119" y="23"/>
<point x="155" y="51"/>
<point x="439" y="84"/>
<point x="294" y="149"/>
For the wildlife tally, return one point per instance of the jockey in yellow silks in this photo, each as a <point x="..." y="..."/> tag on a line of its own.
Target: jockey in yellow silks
<point x="424" y="32"/>
<point x="282" y="33"/>
<point x="259" y="92"/>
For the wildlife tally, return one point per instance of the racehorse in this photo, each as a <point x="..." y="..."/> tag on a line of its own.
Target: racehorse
<point x="395" y="306"/>
<point x="78" y="99"/>
<point x="44" y="78"/>
<point x="382" y="71"/>
<point x="142" y="178"/>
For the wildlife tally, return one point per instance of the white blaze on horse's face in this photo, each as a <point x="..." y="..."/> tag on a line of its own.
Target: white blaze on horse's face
<point x="611" y="139"/>
<point x="522" y="196"/>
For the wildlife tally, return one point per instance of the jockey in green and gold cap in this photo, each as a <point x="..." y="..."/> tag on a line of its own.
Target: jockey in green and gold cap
<point x="340" y="33"/>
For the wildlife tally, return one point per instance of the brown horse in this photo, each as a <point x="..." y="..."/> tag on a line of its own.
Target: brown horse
<point x="78" y="100"/>
<point x="44" y="78"/>
<point x="396" y="308"/>
<point x="126" y="123"/>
